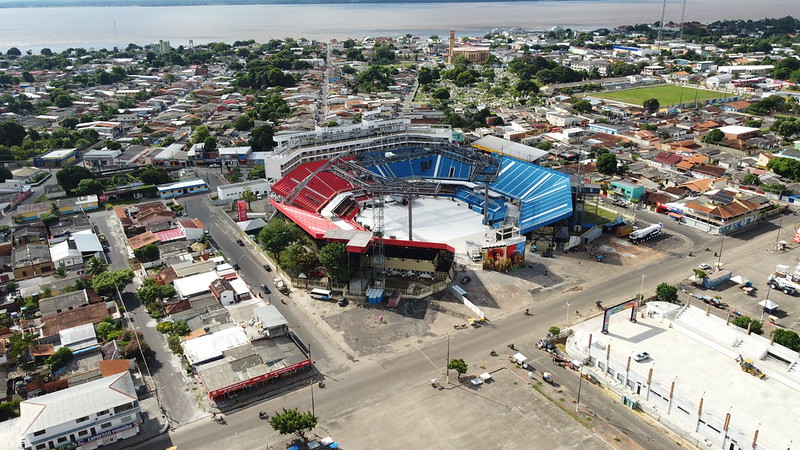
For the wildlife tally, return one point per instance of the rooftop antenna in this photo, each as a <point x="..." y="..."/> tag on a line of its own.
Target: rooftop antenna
<point x="683" y="10"/>
<point x="661" y="28"/>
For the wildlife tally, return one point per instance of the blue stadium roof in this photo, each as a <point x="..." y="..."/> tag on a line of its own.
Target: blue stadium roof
<point x="544" y="194"/>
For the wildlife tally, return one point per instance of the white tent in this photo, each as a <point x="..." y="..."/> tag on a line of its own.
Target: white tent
<point x="768" y="304"/>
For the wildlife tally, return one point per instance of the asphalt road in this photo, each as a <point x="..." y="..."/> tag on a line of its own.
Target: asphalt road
<point x="175" y="396"/>
<point x="327" y="356"/>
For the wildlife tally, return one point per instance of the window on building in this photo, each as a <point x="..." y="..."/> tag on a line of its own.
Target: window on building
<point x="105" y="425"/>
<point x="39" y="433"/>
<point x="83" y="433"/>
<point x="122" y="408"/>
<point x="105" y="411"/>
<point x="41" y="446"/>
<point x="81" y="419"/>
<point x="62" y="439"/>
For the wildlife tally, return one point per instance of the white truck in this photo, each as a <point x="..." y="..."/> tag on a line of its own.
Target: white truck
<point x="645" y="234"/>
<point x="785" y="281"/>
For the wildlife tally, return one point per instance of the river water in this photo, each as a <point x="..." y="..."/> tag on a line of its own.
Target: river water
<point x="106" y="27"/>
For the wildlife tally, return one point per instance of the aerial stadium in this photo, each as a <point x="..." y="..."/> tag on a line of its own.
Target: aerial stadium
<point x="407" y="208"/>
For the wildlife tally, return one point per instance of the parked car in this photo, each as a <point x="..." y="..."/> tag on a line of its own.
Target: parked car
<point x="265" y="289"/>
<point x="705" y="266"/>
<point x="267" y="267"/>
<point x="641" y="357"/>
<point x="466" y="279"/>
<point x="240" y="242"/>
<point x="236" y="266"/>
<point x="343" y="302"/>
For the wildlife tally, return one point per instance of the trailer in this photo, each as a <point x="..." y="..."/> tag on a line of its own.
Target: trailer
<point x="645" y="234"/>
<point x="784" y="280"/>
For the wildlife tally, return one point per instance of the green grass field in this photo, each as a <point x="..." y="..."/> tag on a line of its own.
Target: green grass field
<point x="666" y="95"/>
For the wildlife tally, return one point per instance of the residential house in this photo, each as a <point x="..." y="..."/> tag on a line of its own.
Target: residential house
<point x="102" y="159"/>
<point x="31" y="260"/>
<point x="666" y="160"/>
<point x="625" y="190"/>
<point x="87" y="416"/>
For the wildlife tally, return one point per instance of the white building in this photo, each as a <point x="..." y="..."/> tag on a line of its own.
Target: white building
<point x="234" y="191"/>
<point x="83" y="417"/>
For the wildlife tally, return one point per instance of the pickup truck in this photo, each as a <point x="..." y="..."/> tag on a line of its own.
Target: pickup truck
<point x="281" y="286"/>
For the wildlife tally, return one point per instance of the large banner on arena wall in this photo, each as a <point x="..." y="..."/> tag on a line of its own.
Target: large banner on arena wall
<point x="504" y="256"/>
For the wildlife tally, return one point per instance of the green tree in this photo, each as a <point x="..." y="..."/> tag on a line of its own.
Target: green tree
<point x="242" y="123"/>
<point x="714" y="136"/>
<point x="249" y="197"/>
<point x="151" y="174"/>
<point x="700" y="273"/>
<point x="61" y="271"/>
<point x="651" y="105"/>
<point x="200" y="134"/>
<point x="210" y="144"/>
<point x="583" y="106"/>
<point x="607" y="163"/>
<point x="19" y="343"/>
<point x="554" y="331"/>
<point x="292" y="421"/>
<point x="277" y="235"/>
<point x="70" y="177"/>
<point x="107" y="283"/>
<point x="261" y="138"/>
<point x="95" y="266"/>
<point x="441" y="94"/>
<point x="459" y="366"/>
<point x="544" y="145"/>
<point x="9" y="409"/>
<point x="89" y="187"/>
<point x="298" y="259"/>
<point x="147" y="253"/>
<point x="108" y="329"/>
<point x="786" y="338"/>
<point x="151" y="293"/>
<point x="756" y="326"/>
<point x="60" y="358"/>
<point x="11" y="133"/>
<point x="5" y="174"/>
<point x="666" y="292"/>
<point x="752" y="179"/>
<point x="63" y="101"/>
<point x="27" y="76"/>
<point x="334" y="258"/>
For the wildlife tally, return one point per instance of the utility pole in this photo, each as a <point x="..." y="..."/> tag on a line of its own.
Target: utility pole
<point x="447" y="363"/>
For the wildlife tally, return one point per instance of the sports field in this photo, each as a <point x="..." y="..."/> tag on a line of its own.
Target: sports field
<point x="666" y="95"/>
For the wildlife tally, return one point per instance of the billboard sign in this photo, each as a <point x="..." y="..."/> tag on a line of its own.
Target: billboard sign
<point x="241" y="206"/>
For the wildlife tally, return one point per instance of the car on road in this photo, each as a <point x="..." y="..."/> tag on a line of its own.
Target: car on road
<point x="704" y="266"/>
<point x="236" y="266"/>
<point x="267" y="267"/>
<point x="343" y="302"/>
<point x="466" y="279"/>
<point x="214" y="166"/>
<point x="240" y="243"/>
<point x="641" y="357"/>
<point x="265" y="289"/>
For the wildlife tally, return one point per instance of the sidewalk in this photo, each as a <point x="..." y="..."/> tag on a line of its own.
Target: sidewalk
<point x="154" y="424"/>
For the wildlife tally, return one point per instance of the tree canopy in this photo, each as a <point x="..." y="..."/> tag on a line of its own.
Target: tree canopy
<point x="607" y="163"/>
<point x="651" y="105"/>
<point x="69" y="178"/>
<point x="666" y="292"/>
<point x="277" y="235"/>
<point x="292" y="421"/>
<point x="334" y="258"/>
<point x="105" y="283"/>
<point x="459" y="366"/>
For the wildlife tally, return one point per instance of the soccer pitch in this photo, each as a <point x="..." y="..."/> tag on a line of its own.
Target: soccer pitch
<point x="666" y="95"/>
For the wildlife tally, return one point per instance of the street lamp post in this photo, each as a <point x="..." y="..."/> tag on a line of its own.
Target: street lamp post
<point x="566" y="322"/>
<point x="641" y="289"/>
<point x="719" y="256"/>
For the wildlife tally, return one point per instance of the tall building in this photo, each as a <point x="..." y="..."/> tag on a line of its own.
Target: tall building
<point x="450" y="56"/>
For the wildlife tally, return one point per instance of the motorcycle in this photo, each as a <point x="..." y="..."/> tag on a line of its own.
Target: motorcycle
<point x="220" y="419"/>
<point x="492" y="353"/>
<point x="511" y="346"/>
<point x="598" y="304"/>
<point x="527" y="313"/>
<point x="263" y="415"/>
<point x="321" y="384"/>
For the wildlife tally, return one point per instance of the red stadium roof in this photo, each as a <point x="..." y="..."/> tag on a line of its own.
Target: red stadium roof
<point x="317" y="192"/>
<point x="311" y="222"/>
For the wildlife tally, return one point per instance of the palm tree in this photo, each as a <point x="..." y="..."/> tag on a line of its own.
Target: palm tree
<point x="248" y="196"/>
<point x="61" y="271"/>
<point x="96" y="266"/>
